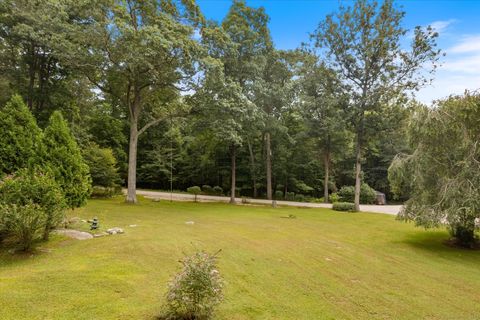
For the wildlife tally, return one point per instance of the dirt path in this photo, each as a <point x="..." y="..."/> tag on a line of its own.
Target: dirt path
<point x="388" y="209"/>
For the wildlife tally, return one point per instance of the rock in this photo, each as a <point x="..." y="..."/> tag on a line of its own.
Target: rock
<point x="83" y="220"/>
<point x="74" y="234"/>
<point x="133" y="226"/>
<point x="189" y="222"/>
<point x="115" y="230"/>
<point x="100" y="234"/>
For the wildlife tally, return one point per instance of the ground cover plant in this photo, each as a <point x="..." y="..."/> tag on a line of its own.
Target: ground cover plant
<point x="321" y="265"/>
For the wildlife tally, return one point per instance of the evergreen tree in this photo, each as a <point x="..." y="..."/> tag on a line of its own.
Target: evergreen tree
<point x="64" y="158"/>
<point x="21" y="138"/>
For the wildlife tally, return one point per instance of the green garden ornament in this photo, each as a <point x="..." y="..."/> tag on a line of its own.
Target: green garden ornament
<point x="94" y="225"/>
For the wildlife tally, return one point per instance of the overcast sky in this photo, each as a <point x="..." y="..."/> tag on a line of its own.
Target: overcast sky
<point x="457" y="21"/>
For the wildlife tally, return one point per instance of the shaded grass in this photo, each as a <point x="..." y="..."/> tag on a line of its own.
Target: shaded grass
<point x="321" y="265"/>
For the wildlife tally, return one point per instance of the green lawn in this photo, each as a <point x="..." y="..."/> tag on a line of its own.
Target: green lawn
<point x="321" y="265"/>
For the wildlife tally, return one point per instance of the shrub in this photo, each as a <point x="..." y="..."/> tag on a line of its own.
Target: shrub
<point x="278" y="195"/>
<point x="367" y="194"/>
<point x="334" y="197"/>
<point x="105" y="192"/>
<point x="207" y="189"/>
<point x="195" y="190"/>
<point x="102" y="165"/>
<point x="196" y="290"/>
<point x="290" y="196"/>
<point x="24" y="222"/>
<point x="317" y="200"/>
<point x="34" y="187"/>
<point x="217" y="190"/>
<point x="299" y="197"/>
<point x="343" y="206"/>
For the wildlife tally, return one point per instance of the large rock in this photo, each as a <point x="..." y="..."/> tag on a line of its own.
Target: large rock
<point x="74" y="234"/>
<point x="115" y="230"/>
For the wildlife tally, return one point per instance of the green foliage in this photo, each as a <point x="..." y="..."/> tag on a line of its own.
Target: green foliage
<point x="196" y="290"/>
<point x="343" y="206"/>
<point x="105" y="192"/>
<point x="299" y="197"/>
<point x="334" y="197"/>
<point x="290" y="196"/>
<point x="279" y="195"/>
<point x="218" y="190"/>
<point x="207" y="189"/>
<point x="443" y="172"/>
<point x="195" y="190"/>
<point x="21" y="138"/>
<point x="64" y="158"/>
<point x="24" y="222"/>
<point x="102" y="165"/>
<point x="26" y="188"/>
<point x="367" y="194"/>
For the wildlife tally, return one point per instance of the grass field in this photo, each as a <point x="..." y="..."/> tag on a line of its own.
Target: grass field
<point x="321" y="265"/>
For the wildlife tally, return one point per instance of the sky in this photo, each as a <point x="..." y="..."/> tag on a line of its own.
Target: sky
<point x="456" y="21"/>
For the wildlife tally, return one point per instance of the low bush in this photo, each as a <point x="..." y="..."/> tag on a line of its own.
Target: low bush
<point x="217" y="190"/>
<point x="195" y="190"/>
<point x="334" y="197"/>
<point x="367" y="194"/>
<point x="343" y="206"/>
<point x="290" y="196"/>
<point x="105" y="192"/>
<point x="317" y="200"/>
<point x="196" y="290"/>
<point x="24" y="222"/>
<point x="279" y="195"/>
<point x="299" y="197"/>
<point x="207" y="189"/>
<point x="28" y="187"/>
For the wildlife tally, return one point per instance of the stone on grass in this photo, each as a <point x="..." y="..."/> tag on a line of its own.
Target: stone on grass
<point x="115" y="230"/>
<point x="74" y="234"/>
<point x="189" y="222"/>
<point x="100" y="234"/>
<point x="133" y="226"/>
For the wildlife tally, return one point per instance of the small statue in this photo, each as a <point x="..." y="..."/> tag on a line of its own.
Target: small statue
<point x="94" y="225"/>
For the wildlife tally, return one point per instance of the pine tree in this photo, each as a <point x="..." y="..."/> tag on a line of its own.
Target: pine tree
<point x="64" y="158"/>
<point x="21" y="137"/>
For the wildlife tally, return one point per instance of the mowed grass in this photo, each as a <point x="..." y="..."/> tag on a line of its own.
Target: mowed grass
<point x="321" y="265"/>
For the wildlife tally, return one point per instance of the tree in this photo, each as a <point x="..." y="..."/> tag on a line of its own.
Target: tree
<point x="323" y="106"/>
<point x="102" y="165"/>
<point x="64" y="158"/>
<point x="443" y="172"/>
<point x="363" y="45"/>
<point x="141" y="54"/>
<point x="21" y="137"/>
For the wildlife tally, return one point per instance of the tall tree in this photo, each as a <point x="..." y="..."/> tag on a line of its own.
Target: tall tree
<point x="323" y="105"/>
<point x="64" y="158"/>
<point x="21" y="137"/>
<point x="363" y="44"/>
<point x="247" y="28"/>
<point x="141" y="54"/>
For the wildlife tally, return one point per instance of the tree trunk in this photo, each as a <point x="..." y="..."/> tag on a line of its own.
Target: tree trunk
<point x="233" y="174"/>
<point x="132" y="162"/>
<point x="252" y="169"/>
<point x="358" y="167"/>
<point x="268" y="160"/>
<point x="325" y="182"/>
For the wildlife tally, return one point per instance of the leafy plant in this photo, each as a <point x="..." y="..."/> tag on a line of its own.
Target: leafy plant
<point x="278" y="195"/>
<point x="343" y="206"/>
<point x="299" y="197"/>
<point x="334" y="197"/>
<point x="218" y="190"/>
<point x="195" y="190"/>
<point x="207" y="189"/>
<point x="196" y="290"/>
<point x="367" y="194"/>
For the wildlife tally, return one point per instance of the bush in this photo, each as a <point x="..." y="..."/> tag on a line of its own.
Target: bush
<point x="207" y="189"/>
<point x="196" y="290"/>
<point x="278" y="195"/>
<point x="343" y="206"/>
<point x="217" y="190"/>
<point x="25" y="222"/>
<point x="195" y="190"/>
<point x="28" y="187"/>
<point x="299" y="197"/>
<point x="317" y="200"/>
<point x="334" y="197"/>
<point x="103" y="166"/>
<point x="105" y="192"/>
<point x="290" y="196"/>
<point x="367" y="194"/>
